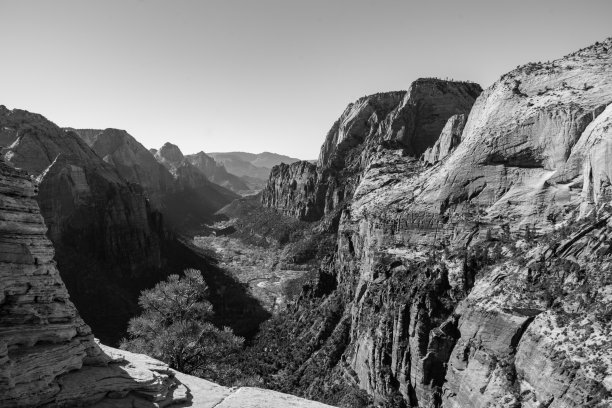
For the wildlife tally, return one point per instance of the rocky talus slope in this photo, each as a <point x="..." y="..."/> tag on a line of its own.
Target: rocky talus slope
<point x="48" y="356"/>
<point x="473" y="255"/>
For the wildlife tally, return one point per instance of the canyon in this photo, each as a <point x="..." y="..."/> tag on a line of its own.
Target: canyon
<point x="48" y="355"/>
<point x="451" y="247"/>
<point x="472" y="261"/>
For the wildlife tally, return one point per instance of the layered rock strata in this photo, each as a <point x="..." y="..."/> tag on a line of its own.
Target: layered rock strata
<point x="48" y="356"/>
<point x="450" y="301"/>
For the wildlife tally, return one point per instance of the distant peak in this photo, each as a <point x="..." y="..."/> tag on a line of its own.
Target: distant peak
<point x="171" y="152"/>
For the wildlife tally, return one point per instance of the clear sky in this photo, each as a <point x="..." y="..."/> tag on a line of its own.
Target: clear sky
<point x="262" y="75"/>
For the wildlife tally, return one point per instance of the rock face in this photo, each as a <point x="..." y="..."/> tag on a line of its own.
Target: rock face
<point x="48" y="355"/>
<point x="291" y="190"/>
<point x="131" y="159"/>
<point x="41" y="335"/>
<point x="166" y="183"/>
<point x="216" y="172"/>
<point x="110" y="241"/>
<point x="464" y="282"/>
<point x="411" y="120"/>
<point x="448" y="140"/>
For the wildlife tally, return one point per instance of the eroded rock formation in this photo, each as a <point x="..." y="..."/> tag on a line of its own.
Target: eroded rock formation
<point x="448" y="140"/>
<point x="466" y="283"/>
<point x="48" y="355"/>
<point x="103" y="210"/>
<point x="411" y="120"/>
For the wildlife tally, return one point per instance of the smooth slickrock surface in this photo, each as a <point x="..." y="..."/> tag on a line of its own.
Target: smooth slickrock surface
<point x="450" y="137"/>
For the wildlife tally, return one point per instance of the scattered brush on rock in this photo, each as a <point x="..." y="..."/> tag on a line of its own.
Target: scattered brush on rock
<point x="175" y="327"/>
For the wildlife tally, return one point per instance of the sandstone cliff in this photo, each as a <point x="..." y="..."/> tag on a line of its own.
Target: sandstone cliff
<point x="411" y="120"/>
<point x="448" y="140"/>
<point x="48" y="356"/>
<point x="195" y="199"/>
<point x="110" y="242"/>
<point x="466" y="283"/>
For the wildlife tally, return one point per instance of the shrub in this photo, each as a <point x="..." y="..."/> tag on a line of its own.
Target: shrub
<point x="175" y="327"/>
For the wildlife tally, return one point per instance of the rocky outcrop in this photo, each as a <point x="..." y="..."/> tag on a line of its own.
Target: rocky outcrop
<point x="410" y="120"/>
<point x="291" y="191"/>
<point x="48" y="356"/>
<point x="449" y="139"/>
<point x="108" y="241"/>
<point x="513" y="170"/>
<point x="459" y="280"/>
<point x="41" y="335"/>
<point x="131" y="160"/>
<point x="216" y="172"/>
<point x="531" y="334"/>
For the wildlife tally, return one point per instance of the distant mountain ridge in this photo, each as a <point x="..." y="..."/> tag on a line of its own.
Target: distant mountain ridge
<point x="166" y="180"/>
<point x="217" y="173"/>
<point x="253" y="168"/>
<point x="251" y="164"/>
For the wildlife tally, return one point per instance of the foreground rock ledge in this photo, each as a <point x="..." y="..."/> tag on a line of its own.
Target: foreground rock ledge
<point x="48" y="355"/>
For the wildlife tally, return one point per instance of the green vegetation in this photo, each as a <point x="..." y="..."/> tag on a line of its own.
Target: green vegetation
<point x="175" y="327"/>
